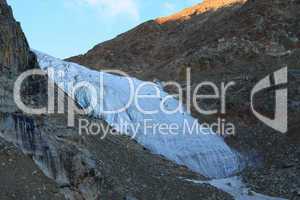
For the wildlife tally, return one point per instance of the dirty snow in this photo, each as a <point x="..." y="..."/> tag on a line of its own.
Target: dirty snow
<point x="236" y="188"/>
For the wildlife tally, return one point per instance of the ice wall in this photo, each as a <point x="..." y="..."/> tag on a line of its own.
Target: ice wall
<point x="202" y="152"/>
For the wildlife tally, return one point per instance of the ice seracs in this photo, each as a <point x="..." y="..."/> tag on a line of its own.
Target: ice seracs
<point x="201" y="151"/>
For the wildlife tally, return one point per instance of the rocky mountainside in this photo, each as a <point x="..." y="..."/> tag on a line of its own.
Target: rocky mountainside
<point x="156" y="44"/>
<point x="20" y="177"/>
<point x="194" y="37"/>
<point x="42" y="158"/>
<point x="240" y="41"/>
<point x="206" y="5"/>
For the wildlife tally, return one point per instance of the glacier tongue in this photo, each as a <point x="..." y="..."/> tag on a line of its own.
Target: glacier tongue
<point x="204" y="153"/>
<point x="235" y="187"/>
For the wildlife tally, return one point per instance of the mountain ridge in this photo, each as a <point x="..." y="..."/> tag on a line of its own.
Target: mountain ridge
<point x="42" y="158"/>
<point x="241" y="43"/>
<point x="152" y="45"/>
<point x="205" y="6"/>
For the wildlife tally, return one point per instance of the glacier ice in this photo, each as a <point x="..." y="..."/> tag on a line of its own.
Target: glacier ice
<point x="235" y="187"/>
<point x="204" y="153"/>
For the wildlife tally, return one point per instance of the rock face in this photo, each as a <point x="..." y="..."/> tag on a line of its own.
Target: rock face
<point x="14" y="47"/>
<point x="225" y="41"/>
<point x="42" y="158"/>
<point x="20" y="177"/>
<point x="14" y="54"/>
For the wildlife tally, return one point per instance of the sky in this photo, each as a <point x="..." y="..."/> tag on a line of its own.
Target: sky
<point x="64" y="28"/>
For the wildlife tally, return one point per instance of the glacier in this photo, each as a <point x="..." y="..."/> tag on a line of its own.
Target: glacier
<point x="205" y="153"/>
<point x="236" y="188"/>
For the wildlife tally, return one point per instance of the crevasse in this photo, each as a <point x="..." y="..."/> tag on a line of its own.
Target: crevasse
<point x="202" y="152"/>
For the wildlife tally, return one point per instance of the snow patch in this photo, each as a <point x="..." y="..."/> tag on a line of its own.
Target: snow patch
<point x="236" y="188"/>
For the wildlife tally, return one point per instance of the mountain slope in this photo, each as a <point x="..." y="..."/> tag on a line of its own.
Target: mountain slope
<point x="154" y="44"/>
<point x="154" y="47"/>
<point x="20" y="177"/>
<point x="42" y="158"/>
<point x="240" y="42"/>
<point x="205" y="6"/>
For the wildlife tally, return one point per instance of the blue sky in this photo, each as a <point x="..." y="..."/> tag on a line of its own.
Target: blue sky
<point x="64" y="28"/>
